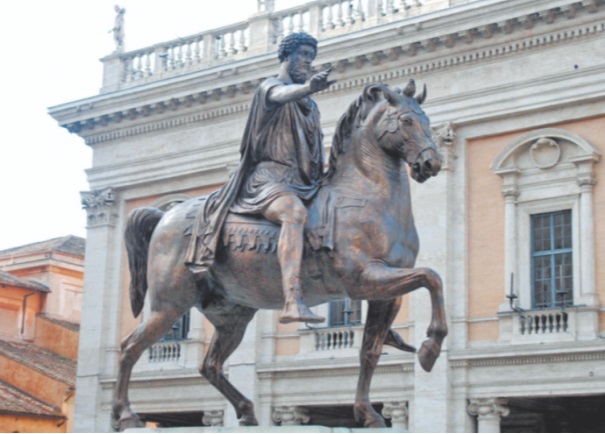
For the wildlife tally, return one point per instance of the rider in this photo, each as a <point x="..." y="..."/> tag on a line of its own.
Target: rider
<point x="282" y="163"/>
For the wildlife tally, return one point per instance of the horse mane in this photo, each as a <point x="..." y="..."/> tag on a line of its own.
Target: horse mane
<point x="355" y="113"/>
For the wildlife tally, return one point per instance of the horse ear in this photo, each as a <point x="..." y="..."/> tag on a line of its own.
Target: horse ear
<point x="410" y="88"/>
<point x="391" y="96"/>
<point x="372" y="90"/>
<point x="420" y="98"/>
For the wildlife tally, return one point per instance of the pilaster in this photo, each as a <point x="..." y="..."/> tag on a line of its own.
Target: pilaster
<point x="489" y="411"/>
<point x="99" y="307"/>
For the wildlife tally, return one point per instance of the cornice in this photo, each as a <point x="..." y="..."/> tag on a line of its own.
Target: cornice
<point x="439" y="47"/>
<point x="574" y="352"/>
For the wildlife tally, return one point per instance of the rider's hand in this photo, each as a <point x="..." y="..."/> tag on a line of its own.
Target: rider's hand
<point x="320" y="81"/>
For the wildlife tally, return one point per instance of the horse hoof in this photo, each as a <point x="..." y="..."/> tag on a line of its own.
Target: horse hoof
<point x="248" y="421"/>
<point x="428" y="354"/>
<point x="131" y="422"/>
<point x="376" y="423"/>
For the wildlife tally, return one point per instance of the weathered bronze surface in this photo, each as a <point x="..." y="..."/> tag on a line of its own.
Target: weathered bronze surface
<point x="359" y="242"/>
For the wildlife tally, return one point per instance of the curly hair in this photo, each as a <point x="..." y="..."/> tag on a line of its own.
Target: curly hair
<point x="294" y="40"/>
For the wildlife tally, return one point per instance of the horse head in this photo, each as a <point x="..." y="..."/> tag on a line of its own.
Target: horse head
<point x="402" y="128"/>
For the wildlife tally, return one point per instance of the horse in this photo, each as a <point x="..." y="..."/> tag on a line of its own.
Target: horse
<point x="361" y="243"/>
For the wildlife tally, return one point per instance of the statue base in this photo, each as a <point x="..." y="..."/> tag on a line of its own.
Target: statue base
<point x="265" y="429"/>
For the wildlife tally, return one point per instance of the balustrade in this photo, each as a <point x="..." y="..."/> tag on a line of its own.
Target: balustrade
<point x="165" y="352"/>
<point x="543" y="322"/>
<point x="320" y="18"/>
<point x="334" y="339"/>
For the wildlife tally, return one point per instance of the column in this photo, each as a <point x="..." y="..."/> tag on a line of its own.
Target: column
<point x="510" y="192"/>
<point x="213" y="418"/>
<point x="397" y="412"/>
<point x="489" y="411"/>
<point x="96" y="330"/>
<point x="290" y="415"/>
<point x="587" y="246"/>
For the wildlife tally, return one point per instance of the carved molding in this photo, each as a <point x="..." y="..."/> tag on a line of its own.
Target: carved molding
<point x="398" y="413"/>
<point x="545" y="153"/>
<point x="291" y="415"/>
<point x="100" y="206"/>
<point x="488" y="408"/>
<point x="331" y="373"/>
<point x="445" y="137"/>
<point x="587" y="181"/>
<point x="213" y="418"/>
<point x="529" y="360"/>
<point x="467" y="36"/>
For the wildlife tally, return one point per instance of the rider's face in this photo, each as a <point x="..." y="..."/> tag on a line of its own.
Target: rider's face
<point x="299" y="63"/>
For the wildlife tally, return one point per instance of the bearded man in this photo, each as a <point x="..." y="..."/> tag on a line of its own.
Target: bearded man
<point x="281" y="166"/>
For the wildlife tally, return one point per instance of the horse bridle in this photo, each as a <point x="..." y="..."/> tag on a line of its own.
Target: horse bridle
<point x="426" y="148"/>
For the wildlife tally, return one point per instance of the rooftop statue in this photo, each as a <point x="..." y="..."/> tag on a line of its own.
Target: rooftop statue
<point x="118" y="29"/>
<point x="281" y="234"/>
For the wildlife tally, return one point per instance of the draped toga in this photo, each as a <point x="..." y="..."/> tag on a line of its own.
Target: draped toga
<point x="281" y="153"/>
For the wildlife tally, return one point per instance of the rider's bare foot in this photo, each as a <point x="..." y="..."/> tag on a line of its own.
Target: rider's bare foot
<point x="296" y="310"/>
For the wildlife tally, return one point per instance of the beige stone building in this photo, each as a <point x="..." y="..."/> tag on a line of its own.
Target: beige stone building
<point x="512" y="223"/>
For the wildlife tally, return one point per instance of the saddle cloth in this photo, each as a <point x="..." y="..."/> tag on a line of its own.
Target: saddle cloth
<point x="253" y="232"/>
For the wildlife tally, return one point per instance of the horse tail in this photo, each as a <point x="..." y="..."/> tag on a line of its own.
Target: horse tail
<point x="139" y="227"/>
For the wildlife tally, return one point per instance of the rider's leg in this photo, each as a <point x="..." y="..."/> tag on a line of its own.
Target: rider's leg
<point x="289" y="212"/>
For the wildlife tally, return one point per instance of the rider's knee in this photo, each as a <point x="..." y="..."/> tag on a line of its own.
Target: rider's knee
<point x="289" y="209"/>
<point x="298" y="213"/>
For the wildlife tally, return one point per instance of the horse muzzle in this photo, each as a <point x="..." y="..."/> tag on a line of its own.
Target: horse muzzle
<point x="426" y="164"/>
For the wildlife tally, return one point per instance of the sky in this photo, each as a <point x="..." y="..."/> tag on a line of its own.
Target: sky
<point x="50" y="56"/>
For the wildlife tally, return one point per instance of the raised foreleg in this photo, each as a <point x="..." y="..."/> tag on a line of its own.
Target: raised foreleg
<point x="381" y="314"/>
<point x="229" y="330"/>
<point x="382" y="282"/>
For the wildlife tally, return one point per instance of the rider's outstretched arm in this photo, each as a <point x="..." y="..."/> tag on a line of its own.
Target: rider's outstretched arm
<point x="292" y="92"/>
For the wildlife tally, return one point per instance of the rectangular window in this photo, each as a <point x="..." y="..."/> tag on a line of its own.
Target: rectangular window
<point x="345" y="312"/>
<point x="179" y="330"/>
<point x="552" y="265"/>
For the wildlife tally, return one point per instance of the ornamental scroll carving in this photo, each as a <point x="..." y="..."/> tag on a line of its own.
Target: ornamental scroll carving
<point x="445" y="137"/>
<point x="99" y="206"/>
<point x="488" y="407"/>
<point x="213" y="418"/>
<point x="397" y="412"/>
<point x="290" y="415"/>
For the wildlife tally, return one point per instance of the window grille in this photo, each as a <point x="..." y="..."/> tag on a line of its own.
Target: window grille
<point x="552" y="261"/>
<point x="345" y="312"/>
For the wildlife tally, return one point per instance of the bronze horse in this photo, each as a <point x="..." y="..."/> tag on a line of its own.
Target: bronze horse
<point x="362" y="244"/>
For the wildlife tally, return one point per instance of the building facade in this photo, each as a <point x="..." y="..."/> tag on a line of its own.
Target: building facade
<point x="517" y="104"/>
<point x="40" y="298"/>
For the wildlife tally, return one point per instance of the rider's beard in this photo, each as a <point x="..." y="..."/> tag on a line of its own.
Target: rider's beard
<point x="298" y="73"/>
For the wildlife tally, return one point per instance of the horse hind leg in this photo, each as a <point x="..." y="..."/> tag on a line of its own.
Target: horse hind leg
<point x="131" y="349"/>
<point x="230" y="327"/>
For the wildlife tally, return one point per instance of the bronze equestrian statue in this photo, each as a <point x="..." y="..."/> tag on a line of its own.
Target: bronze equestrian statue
<point x="360" y="241"/>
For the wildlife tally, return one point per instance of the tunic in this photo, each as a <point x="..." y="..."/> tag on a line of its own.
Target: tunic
<point x="281" y="153"/>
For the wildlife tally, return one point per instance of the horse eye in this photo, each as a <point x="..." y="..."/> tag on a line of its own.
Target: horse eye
<point x="406" y="120"/>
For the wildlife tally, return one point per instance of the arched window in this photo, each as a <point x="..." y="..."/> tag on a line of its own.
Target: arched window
<point x="547" y="182"/>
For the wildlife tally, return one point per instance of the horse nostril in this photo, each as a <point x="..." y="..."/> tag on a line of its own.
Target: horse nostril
<point x="428" y="166"/>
